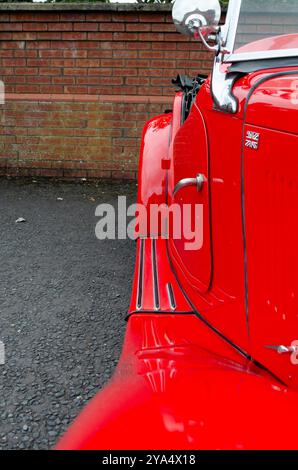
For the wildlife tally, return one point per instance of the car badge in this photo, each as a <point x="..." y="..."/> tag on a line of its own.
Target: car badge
<point x="252" y="140"/>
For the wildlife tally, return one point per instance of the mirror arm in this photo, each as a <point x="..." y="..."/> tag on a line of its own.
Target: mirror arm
<point x="198" y="35"/>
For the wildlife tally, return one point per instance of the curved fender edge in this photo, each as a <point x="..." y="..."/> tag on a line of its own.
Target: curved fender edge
<point x="171" y="390"/>
<point x="153" y="160"/>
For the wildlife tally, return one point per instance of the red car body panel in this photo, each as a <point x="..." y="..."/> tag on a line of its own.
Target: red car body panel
<point x="199" y="373"/>
<point x="171" y="390"/>
<point x="155" y="287"/>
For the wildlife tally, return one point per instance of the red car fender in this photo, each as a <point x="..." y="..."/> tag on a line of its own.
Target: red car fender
<point x="171" y="391"/>
<point x="156" y="158"/>
<point x="153" y="153"/>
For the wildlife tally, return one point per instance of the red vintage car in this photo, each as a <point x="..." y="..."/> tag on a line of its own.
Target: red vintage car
<point x="211" y="349"/>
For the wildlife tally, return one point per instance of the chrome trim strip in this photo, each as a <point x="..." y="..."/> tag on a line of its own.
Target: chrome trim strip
<point x="229" y="32"/>
<point x="141" y="275"/>
<point x="229" y="29"/>
<point x="244" y="56"/>
<point x="163" y="312"/>
<point x="155" y="276"/>
<point x="171" y="296"/>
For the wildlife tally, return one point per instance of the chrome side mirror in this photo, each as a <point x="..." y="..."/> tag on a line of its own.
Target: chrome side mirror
<point x="198" y="18"/>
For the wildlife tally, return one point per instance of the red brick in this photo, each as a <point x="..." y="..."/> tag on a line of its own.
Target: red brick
<point x="87" y="63"/>
<point x="62" y="63"/>
<point x="74" y="36"/>
<point x="51" y="89"/>
<point x="160" y="27"/>
<point x="13" y="62"/>
<point x="34" y="16"/>
<point x="39" y="45"/>
<point x="112" y="27"/>
<point x="63" y="80"/>
<point x="54" y="35"/>
<point x="166" y="64"/>
<point x="22" y="36"/>
<point x="151" y="37"/>
<point x="138" y="27"/>
<point x="87" y="80"/>
<point x="112" y="63"/>
<point x="177" y="55"/>
<point x="85" y="27"/>
<point x="26" y="70"/>
<point x="11" y="26"/>
<point x="137" y="45"/>
<point x="177" y="37"/>
<point x="137" y="63"/>
<point x="39" y="80"/>
<point x="125" y="36"/>
<point x="125" y="72"/>
<point x="6" y="53"/>
<point x="99" y="53"/>
<point x="49" y="71"/>
<point x="150" y="90"/>
<point x="27" y="89"/>
<point x="70" y="16"/>
<point x="110" y="80"/>
<point x="151" y="17"/>
<point x="160" y="82"/>
<point x="74" y="53"/>
<point x="6" y="36"/>
<point x="35" y="26"/>
<point x="151" y="54"/>
<point x="75" y="71"/>
<point x="163" y="46"/>
<point x="100" y="36"/>
<point x="184" y="63"/>
<point x="110" y="46"/>
<point x="189" y="46"/>
<point x="15" y="79"/>
<point x="76" y="89"/>
<point x="99" y="17"/>
<point x="127" y="17"/>
<point x="100" y="71"/>
<point x="12" y="44"/>
<point x="38" y="62"/>
<point x="137" y="81"/>
<point x="4" y="17"/>
<point x="50" y="53"/>
<point x="122" y="90"/>
<point x="199" y="55"/>
<point x="60" y="26"/>
<point x="125" y="54"/>
<point x="25" y="53"/>
<point x="73" y="46"/>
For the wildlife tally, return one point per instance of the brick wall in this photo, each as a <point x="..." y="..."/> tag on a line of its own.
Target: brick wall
<point x="80" y="82"/>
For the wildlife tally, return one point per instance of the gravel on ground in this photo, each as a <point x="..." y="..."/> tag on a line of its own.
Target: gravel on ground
<point x="63" y="300"/>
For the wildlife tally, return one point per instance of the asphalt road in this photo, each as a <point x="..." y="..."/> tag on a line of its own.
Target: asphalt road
<point x="63" y="299"/>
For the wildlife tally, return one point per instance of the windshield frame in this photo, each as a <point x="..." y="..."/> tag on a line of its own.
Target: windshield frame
<point x="229" y="32"/>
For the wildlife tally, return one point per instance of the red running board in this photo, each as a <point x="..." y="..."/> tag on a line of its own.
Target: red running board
<point x="155" y="288"/>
